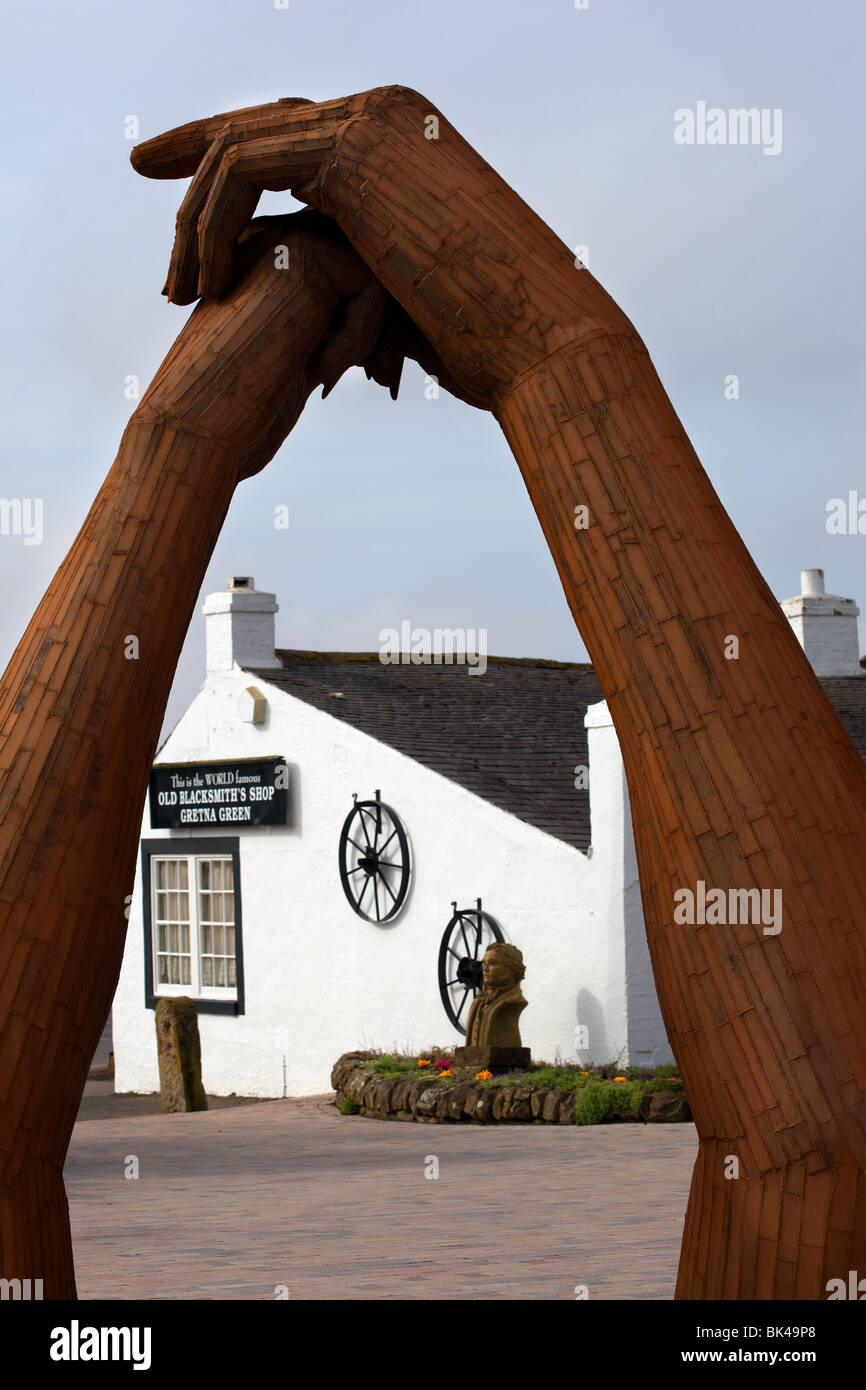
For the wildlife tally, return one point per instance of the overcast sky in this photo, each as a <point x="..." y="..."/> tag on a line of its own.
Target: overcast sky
<point x="727" y="260"/>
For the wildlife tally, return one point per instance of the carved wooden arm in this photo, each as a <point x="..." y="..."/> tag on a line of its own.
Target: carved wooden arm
<point x="82" y="700"/>
<point x="740" y="774"/>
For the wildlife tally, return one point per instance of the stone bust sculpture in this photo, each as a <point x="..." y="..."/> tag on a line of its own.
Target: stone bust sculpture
<point x="493" y="1017"/>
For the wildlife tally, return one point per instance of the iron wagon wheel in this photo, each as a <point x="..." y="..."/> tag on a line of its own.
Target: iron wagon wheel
<point x="374" y="860"/>
<point x="461" y="951"/>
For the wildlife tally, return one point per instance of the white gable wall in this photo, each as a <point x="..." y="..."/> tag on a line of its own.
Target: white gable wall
<point x="319" y="980"/>
<point x="626" y="1020"/>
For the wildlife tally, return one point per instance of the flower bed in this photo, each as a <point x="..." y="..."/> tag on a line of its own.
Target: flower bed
<point x="431" y="1089"/>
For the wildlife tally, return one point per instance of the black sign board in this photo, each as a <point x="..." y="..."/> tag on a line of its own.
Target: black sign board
<point x="243" y="793"/>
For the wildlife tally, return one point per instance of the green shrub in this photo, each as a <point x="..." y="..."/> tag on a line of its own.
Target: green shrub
<point x="393" y="1064"/>
<point x="389" y="1065"/>
<point x="662" y="1083"/>
<point x="350" y="1107"/>
<point x="600" y="1099"/>
<point x="555" y="1078"/>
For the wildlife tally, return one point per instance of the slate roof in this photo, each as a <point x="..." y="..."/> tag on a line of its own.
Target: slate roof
<point x="513" y="736"/>
<point x="847" y="695"/>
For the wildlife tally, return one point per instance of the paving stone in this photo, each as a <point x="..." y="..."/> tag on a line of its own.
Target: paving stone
<point x="232" y="1202"/>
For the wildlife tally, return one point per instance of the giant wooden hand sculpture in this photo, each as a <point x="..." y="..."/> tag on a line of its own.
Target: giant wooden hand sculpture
<point x="739" y="772"/>
<point x="82" y="700"/>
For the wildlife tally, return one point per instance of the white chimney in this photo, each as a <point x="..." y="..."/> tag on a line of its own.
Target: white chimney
<point x="825" y="626"/>
<point x="239" y="627"/>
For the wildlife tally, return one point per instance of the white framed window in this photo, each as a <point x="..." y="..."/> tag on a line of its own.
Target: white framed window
<point x="192" y="921"/>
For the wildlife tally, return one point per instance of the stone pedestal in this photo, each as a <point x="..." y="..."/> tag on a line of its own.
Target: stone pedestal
<point x="179" y="1055"/>
<point x="492" y="1058"/>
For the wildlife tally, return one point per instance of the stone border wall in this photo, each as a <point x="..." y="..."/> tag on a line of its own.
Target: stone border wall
<point x="393" y="1098"/>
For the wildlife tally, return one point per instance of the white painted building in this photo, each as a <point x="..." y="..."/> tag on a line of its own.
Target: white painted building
<point x="252" y="920"/>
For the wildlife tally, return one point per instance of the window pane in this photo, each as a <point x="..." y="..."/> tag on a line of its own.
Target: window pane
<point x="216" y="913"/>
<point x="171" y="908"/>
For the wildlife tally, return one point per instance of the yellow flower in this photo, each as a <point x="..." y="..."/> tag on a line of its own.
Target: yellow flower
<point x="620" y="1078"/>
<point x="483" y="1075"/>
<point x="423" y="1062"/>
<point x="584" y="1073"/>
<point x="445" y="1073"/>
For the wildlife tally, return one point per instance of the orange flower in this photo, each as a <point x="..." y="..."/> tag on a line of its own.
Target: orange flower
<point x="422" y="1062"/>
<point x="483" y="1075"/>
<point x="445" y="1073"/>
<point x="620" y="1078"/>
<point x="584" y="1073"/>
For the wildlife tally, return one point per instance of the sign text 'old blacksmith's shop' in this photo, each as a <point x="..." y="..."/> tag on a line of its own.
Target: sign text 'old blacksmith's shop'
<point x="241" y="793"/>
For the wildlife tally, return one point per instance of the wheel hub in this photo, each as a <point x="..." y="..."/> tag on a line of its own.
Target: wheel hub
<point x="470" y="972"/>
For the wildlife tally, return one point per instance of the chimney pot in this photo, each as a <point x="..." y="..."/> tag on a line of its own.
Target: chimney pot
<point x="811" y="581"/>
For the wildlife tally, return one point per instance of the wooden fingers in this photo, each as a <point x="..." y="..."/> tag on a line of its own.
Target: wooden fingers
<point x="177" y="153"/>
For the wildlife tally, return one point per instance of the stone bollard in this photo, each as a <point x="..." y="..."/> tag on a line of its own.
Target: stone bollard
<point x="179" y="1053"/>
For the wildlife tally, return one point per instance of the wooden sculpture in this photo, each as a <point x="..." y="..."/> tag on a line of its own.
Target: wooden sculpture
<point x="82" y="700"/>
<point x="739" y="772"/>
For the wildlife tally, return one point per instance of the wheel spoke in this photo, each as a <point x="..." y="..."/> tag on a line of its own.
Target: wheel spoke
<point x="364" y="826"/>
<point x="363" y="890"/>
<point x="452" y="952"/>
<point x="376" y="896"/>
<point x="465" y="939"/>
<point x="360" y="848"/>
<point x="387" y="842"/>
<point x="463" y="1001"/>
<point x="386" y="884"/>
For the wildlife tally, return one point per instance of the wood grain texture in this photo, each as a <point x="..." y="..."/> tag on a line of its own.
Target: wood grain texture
<point x="79" y="720"/>
<point x="739" y="772"/>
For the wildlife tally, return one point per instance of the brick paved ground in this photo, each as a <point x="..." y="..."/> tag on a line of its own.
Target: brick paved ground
<point x="231" y="1203"/>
